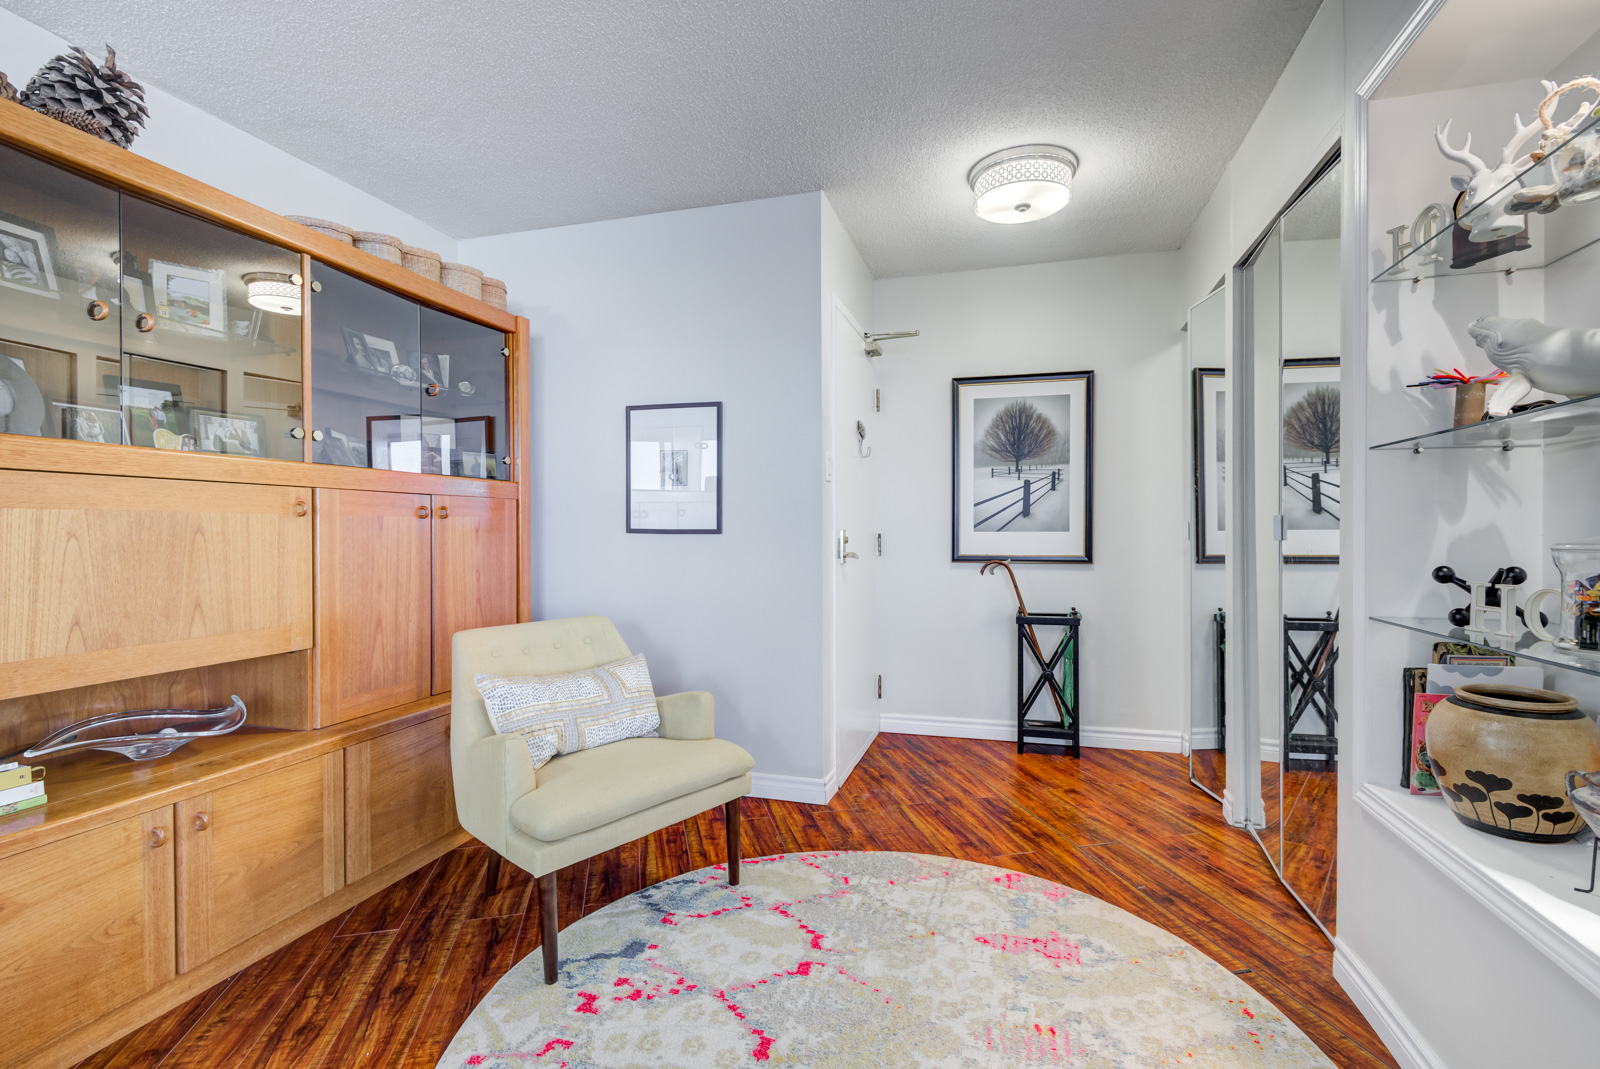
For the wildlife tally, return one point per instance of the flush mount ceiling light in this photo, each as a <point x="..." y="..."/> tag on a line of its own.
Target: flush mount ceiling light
<point x="1021" y="184"/>
<point x="273" y="291"/>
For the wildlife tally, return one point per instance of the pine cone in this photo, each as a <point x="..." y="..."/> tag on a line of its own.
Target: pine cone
<point x="7" y="90"/>
<point x="97" y="96"/>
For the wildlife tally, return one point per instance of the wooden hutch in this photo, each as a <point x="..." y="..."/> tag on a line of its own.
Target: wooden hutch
<point x="201" y="498"/>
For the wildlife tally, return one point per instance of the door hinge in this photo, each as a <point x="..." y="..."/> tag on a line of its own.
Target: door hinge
<point x="880" y="686"/>
<point x="880" y="545"/>
<point x="1279" y="529"/>
<point x="877" y="400"/>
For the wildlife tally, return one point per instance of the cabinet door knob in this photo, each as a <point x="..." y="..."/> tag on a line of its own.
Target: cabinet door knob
<point x="316" y="436"/>
<point x="300" y="507"/>
<point x="422" y="512"/>
<point x="144" y="322"/>
<point x="201" y="822"/>
<point x="98" y="310"/>
<point x="443" y="512"/>
<point x="432" y="389"/>
<point x="157" y="837"/>
<point x="297" y="432"/>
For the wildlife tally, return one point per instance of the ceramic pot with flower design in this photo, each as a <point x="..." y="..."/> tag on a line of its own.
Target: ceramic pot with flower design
<point x="1502" y="753"/>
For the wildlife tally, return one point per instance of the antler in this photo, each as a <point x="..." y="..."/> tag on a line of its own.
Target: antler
<point x="1508" y="155"/>
<point x="1464" y="155"/>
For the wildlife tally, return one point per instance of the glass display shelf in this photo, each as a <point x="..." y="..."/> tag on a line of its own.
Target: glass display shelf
<point x="1550" y="237"/>
<point x="1568" y="422"/>
<point x="1527" y="647"/>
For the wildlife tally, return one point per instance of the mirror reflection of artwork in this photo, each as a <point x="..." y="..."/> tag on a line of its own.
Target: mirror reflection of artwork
<point x="1310" y="487"/>
<point x="1211" y="463"/>
<point x="1022" y="467"/>
<point x="673" y="461"/>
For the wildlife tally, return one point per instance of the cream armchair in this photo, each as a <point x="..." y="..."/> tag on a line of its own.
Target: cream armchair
<point x="586" y="803"/>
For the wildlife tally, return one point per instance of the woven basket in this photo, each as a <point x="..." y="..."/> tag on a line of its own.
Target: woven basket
<point x="462" y="279"/>
<point x="494" y="293"/>
<point x="421" y="261"/>
<point x="383" y="246"/>
<point x="336" y="231"/>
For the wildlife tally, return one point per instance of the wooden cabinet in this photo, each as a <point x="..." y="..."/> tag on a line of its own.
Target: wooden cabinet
<point x="256" y="852"/>
<point x="110" y="577"/>
<point x="374" y="638"/>
<point x="88" y="926"/>
<point x="398" y="796"/>
<point x="474" y="571"/>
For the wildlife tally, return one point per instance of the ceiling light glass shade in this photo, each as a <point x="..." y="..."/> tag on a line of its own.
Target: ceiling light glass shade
<point x="272" y="291"/>
<point x="1021" y="184"/>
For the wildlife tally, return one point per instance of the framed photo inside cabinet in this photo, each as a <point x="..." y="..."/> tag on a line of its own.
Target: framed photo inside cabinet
<point x="673" y="468"/>
<point x="1022" y="471"/>
<point x="27" y="257"/>
<point x="86" y="423"/>
<point x="222" y="432"/>
<point x="1309" y="489"/>
<point x="192" y="300"/>
<point x="1210" y="390"/>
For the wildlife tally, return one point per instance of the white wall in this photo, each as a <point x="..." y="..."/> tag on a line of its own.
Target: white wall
<point x="185" y="138"/>
<point x="949" y="644"/>
<point x="709" y="304"/>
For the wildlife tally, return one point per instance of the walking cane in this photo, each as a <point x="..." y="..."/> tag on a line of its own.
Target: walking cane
<point x="1033" y="639"/>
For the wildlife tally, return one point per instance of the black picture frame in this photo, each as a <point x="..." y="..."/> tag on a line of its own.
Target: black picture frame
<point x="1204" y="431"/>
<point x="1084" y="448"/>
<point x="26" y="242"/>
<point x="1291" y="365"/>
<point x="630" y="507"/>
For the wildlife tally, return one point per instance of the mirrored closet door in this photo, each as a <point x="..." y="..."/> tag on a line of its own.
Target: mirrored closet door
<point x="1289" y="509"/>
<point x="1208" y="580"/>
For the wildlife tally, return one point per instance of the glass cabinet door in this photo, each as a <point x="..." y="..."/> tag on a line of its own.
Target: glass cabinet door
<point x="366" y="399"/>
<point x="60" y="302"/>
<point x="211" y="337"/>
<point x="465" y="428"/>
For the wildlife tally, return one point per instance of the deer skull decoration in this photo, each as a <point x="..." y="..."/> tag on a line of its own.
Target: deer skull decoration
<point x="1489" y="190"/>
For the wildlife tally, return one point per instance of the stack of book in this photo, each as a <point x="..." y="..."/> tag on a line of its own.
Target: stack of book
<point x="21" y="787"/>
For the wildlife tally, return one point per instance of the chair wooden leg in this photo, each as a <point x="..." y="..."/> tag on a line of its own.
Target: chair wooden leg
<point x="730" y="812"/>
<point x="547" y="920"/>
<point x="493" y="883"/>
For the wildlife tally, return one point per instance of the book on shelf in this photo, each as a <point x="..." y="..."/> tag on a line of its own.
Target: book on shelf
<point x="7" y="766"/>
<point x="18" y="794"/>
<point x="17" y="775"/>
<point x="26" y="803"/>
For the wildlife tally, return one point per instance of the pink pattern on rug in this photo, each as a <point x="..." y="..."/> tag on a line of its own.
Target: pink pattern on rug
<point x="1020" y="881"/>
<point x="1041" y="1043"/>
<point x="1056" y="948"/>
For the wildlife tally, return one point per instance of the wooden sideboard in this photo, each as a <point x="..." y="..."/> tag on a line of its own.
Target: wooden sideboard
<point x="321" y="587"/>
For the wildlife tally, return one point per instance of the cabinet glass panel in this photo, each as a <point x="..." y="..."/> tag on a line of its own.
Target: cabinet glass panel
<point x="366" y="401"/>
<point x="465" y="429"/>
<point x="210" y="313"/>
<point x="60" y="303"/>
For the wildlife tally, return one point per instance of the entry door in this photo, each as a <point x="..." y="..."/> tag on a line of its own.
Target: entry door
<point x="855" y="546"/>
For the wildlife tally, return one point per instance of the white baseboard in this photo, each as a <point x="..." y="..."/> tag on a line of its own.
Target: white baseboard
<point x="813" y="790"/>
<point x="957" y="727"/>
<point x="1392" y="1026"/>
<point x="1269" y="751"/>
<point x="1203" y="739"/>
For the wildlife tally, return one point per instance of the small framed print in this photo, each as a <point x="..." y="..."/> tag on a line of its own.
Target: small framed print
<point x="673" y="468"/>
<point x="1309" y="489"/>
<point x="192" y="300"/>
<point x="1210" y="389"/>
<point x="1022" y="475"/>
<point x="26" y="260"/>
<point x="220" y="432"/>
<point x="85" y="423"/>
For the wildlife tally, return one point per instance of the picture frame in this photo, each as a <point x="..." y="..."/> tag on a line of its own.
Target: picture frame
<point x="232" y="433"/>
<point x="672" y="468"/>
<point x="394" y="443"/>
<point x="191" y="300"/>
<point x="89" y="423"/>
<point x="29" y="257"/>
<point x="1309" y="449"/>
<point x="1209" y="399"/>
<point x="1022" y="468"/>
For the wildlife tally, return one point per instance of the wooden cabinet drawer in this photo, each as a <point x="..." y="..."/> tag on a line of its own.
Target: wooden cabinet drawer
<point x="474" y="571"/>
<point x="85" y="927"/>
<point x="399" y="796"/>
<point x="111" y="577"/>
<point x="254" y="853"/>
<point x="373" y="648"/>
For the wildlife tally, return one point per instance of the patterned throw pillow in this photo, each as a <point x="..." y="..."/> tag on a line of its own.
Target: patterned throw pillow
<point x="565" y="714"/>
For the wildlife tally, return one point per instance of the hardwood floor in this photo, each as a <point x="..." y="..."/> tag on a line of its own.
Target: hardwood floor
<point x="390" y="981"/>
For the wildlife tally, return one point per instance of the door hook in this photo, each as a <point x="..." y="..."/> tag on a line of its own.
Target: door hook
<point x="862" y="449"/>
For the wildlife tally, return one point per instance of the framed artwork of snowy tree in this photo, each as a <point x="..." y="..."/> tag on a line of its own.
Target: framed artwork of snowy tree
<point x="1022" y="480"/>
<point x="1310" y="484"/>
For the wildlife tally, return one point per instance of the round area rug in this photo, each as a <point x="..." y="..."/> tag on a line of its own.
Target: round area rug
<point x="872" y="959"/>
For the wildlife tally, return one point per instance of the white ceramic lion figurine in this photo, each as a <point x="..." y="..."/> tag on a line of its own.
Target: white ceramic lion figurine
<point x="1562" y="360"/>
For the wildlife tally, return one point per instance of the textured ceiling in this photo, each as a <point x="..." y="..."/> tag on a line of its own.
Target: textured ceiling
<point x="485" y="118"/>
